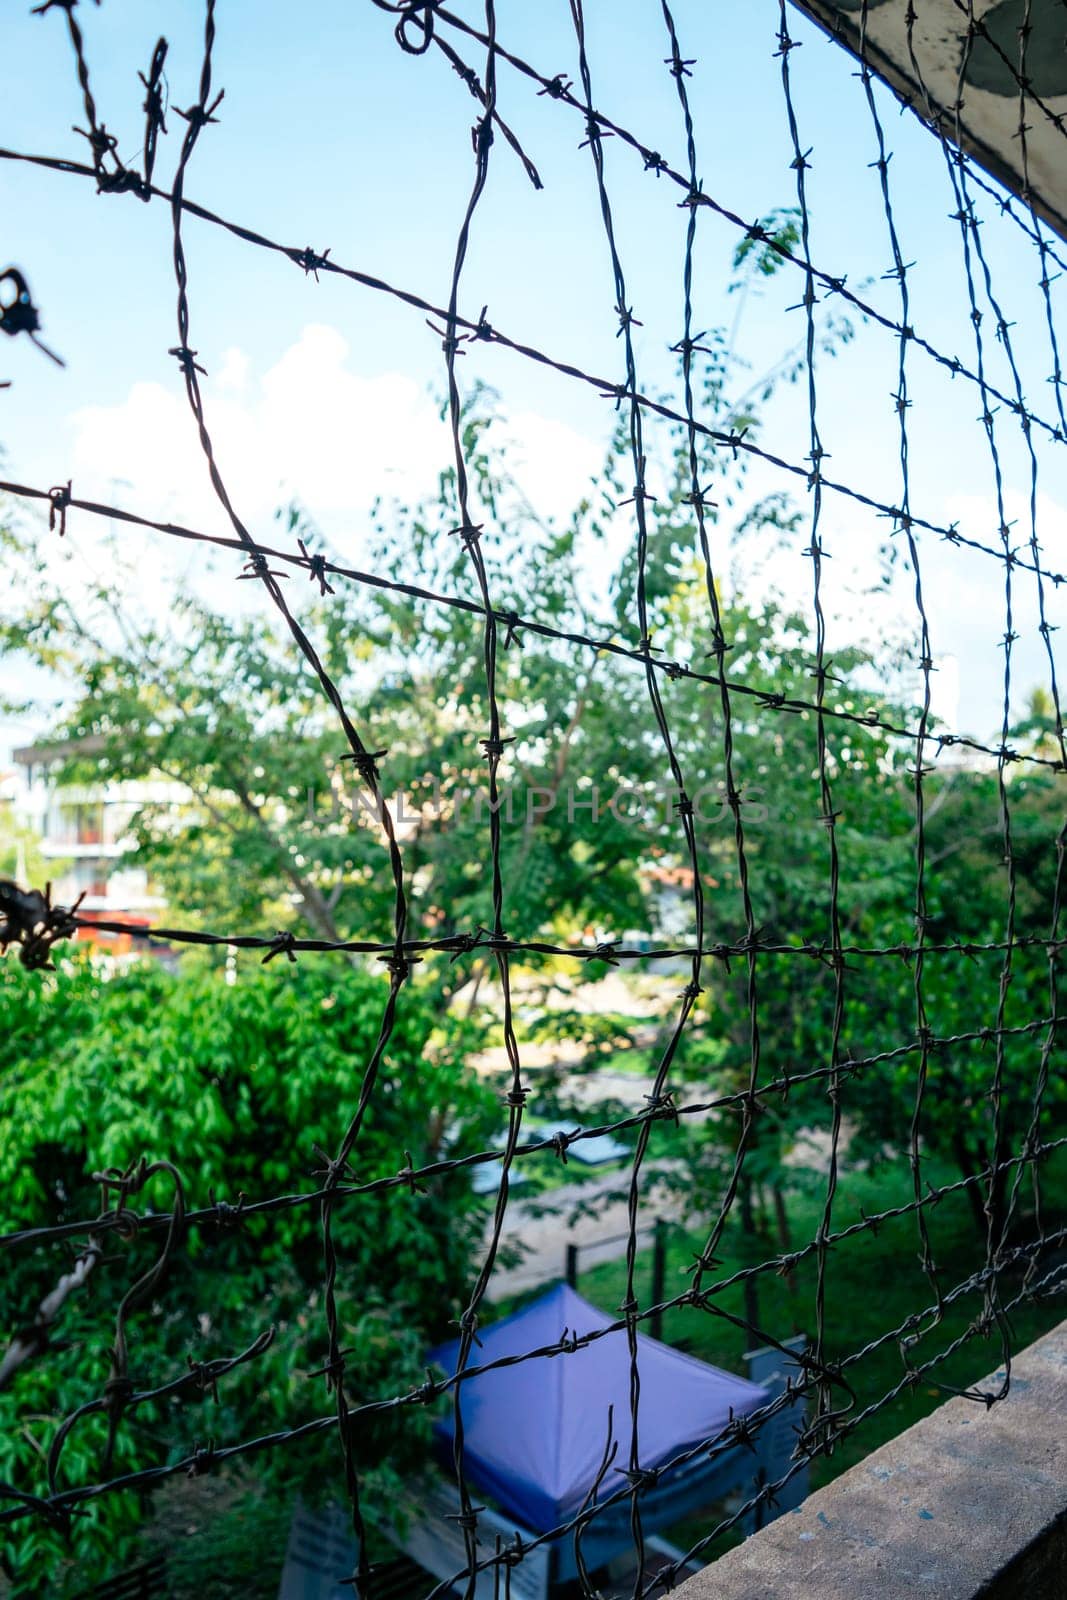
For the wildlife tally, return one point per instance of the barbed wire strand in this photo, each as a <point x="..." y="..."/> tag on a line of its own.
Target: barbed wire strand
<point x="33" y="924"/>
<point x="736" y="440"/>
<point x="756" y="230"/>
<point x="971" y="246"/>
<point x="658" y="1092"/>
<point x="197" y="117"/>
<point x="826" y="1416"/>
<point x="679" y="67"/>
<point x="771" y="700"/>
<point x="225" y="1213"/>
<point x="902" y="403"/>
<point x="493" y="746"/>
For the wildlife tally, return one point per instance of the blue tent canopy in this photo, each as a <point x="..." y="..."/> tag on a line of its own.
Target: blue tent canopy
<point x="534" y="1434"/>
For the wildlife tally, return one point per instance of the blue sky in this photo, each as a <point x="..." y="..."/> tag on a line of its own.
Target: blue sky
<point x="330" y="136"/>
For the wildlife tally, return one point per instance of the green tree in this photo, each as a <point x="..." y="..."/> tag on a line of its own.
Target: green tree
<point x="273" y="834"/>
<point x="214" y="697"/>
<point x="237" y="1086"/>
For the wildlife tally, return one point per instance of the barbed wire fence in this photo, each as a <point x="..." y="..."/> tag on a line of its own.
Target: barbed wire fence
<point x="30" y="923"/>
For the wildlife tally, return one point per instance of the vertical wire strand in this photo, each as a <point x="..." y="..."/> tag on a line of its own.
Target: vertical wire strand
<point x="197" y="118"/>
<point x="968" y="223"/>
<point x="899" y="272"/>
<point x="980" y="283"/>
<point x="493" y="746"/>
<point x="826" y="1413"/>
<point x="659" y="1095"/>
<point x="686" y="348"/>
<point x="1033" y="1132"/>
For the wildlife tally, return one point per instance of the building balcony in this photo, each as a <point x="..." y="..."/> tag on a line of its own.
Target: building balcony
<point x="80" y="849"/>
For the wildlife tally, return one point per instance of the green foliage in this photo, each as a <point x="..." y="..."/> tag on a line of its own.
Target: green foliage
<point x="875" y="1283"/>
<point x="782" y="226"/>
<point x="237" y="1085"/>
<point x="223" y="1538"/>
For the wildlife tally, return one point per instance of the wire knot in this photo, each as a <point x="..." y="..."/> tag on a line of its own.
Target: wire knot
<point x="366" y="764"/>
<point x="333" y="1170"/>
<point x="58" y="502"/>
<point x="407" y="1176"/>
<point x="257" y="567"/>
<point x="429" y="1390"/>
<point x="118" y="1391"/>
<point x="469" y="532"/>
<point x="155" y="111"/>
<point x="398" y="966"/>
<point x="18" y="315"/>
<point x="316" y="565"/>
<point x="124" y="181"/>
<point x="662" y="1106"/>
<point x="494" y="748"/>
<point x="512" y="1554"/>
<point x="199" y="116"/>
<point x="557" y="87"/>
<point x="467" y="1520"/>
<point x="678" y="67"/>
<point x="205" y="1379"/>
<point x="741" y="1430"/>
<point x="419" y="14"/>
<point x="482" y="135"/>
<point x="226" y="1215"/>
<point x="311" y="260"/>
<point x="594" y="133"/>
<point x="186" y="359"/>
<point x="202" y="1460"/>
<point x="29" y="919"/>
<point x="483" y="328"/>
<point x="464" y="944"/>
<point x="283" y="943"/>
<point x="562" y="1141"/>
<point x="468" y="1326"/>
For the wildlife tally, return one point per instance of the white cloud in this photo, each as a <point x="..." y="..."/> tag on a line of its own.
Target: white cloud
<point x="551" y="463"/>
<point x="966" y="603"/>
<point x="310" y="428"/>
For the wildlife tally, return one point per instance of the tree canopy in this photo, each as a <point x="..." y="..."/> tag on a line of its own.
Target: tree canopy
<point x="235" y="1084"/>
<point x="235" y="1087"/>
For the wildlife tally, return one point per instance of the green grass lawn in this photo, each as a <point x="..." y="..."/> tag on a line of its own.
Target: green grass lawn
<point x="874" y="1282"/>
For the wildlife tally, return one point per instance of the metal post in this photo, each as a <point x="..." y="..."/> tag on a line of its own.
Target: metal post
<point x="570" y="1270"/>
<point x="659" y="1275"/>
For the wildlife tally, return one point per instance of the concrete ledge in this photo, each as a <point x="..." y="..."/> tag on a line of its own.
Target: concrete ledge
<point x="966" y="1503"/>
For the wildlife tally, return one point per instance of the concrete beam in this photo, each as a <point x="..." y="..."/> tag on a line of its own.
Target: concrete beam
<point x="966" y="1503"/>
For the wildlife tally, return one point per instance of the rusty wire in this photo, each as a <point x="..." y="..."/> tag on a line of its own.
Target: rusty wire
<point x="32" y="924"/>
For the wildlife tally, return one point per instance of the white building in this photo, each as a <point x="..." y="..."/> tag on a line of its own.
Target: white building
<point x="84" y="829"/>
